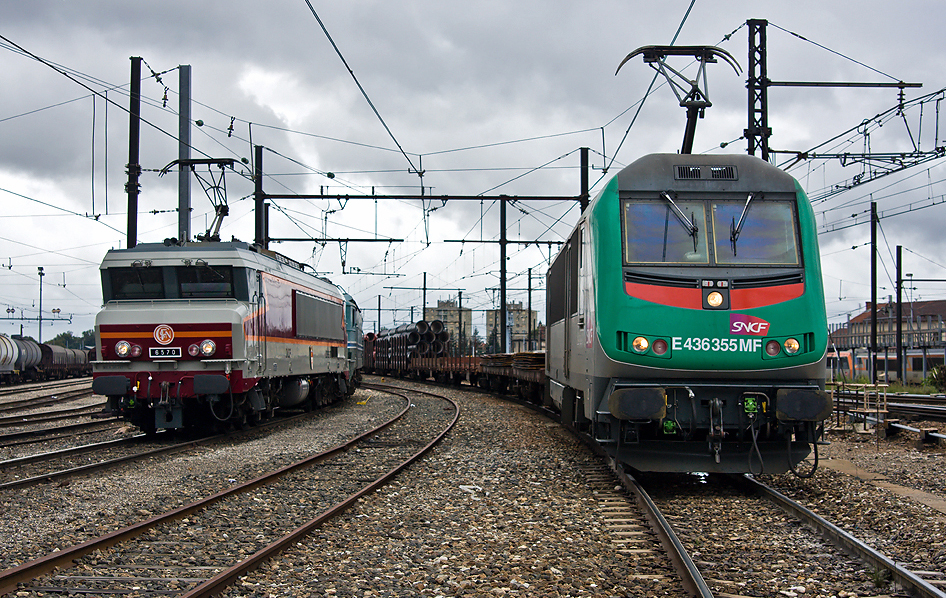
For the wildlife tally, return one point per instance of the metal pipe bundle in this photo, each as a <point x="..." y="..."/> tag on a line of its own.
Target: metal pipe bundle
<point x="394" y="348"/>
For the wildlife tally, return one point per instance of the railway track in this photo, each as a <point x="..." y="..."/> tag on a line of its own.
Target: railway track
<point x="747" y="539"/>
<point x="62" y="464"/>
<point x="917" y="582"/>
<point x="42" y="386"/>
<point x="15" y="405"/>
<point x="63" y="432"/>
<point x="18" y="421"/>
<point x="33" y="426"/>
<point x="83" y="459"/>
<point x="727" y="575"/>
<point x="640" y="532"/>
<point x="200" y="548"/>
<point x="877" y="569"/>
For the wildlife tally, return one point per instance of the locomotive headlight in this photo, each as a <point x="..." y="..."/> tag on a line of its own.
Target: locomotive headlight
<point x="207" y="348"/>
<point x="193" y="350"/>
<point x="714" y="299"/>
<point x="773" y="348"/>
<point x="122" y="348"/>
<point x="640" y="344"/>
<point x="791" y="346"/>
<point x="660" y="346"/>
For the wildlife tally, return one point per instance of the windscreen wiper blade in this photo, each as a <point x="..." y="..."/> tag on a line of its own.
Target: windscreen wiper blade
<point x="688" y="224"/>
<point x="736" y="228"/>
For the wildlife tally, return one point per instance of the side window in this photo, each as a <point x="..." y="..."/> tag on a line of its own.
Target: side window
<point x="574" y="250"/>
<point x="583" y="274"/>
<point x="555" y="298"/>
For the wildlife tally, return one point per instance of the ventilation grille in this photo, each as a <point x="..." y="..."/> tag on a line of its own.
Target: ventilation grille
<point x="768" y="281"/>
<point x="716" y="173"/>
<point x="689" y="172"/>
<point x="664" y="281"/>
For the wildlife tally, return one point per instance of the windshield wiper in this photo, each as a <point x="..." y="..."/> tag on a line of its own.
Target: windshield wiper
<point x="687" y="223"/>
<point x="736" y="228"/>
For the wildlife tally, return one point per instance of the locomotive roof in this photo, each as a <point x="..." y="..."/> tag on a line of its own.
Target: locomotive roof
<point x="694" y="172"/>
<point x="237" y="250"/>
<point x="233" y="253"/>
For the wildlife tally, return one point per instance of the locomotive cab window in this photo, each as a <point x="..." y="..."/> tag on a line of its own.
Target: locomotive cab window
<point x="207" y="282"/>
<point x="755" y="232"/>
<point x="135" y="283"/>
<point x="750" y="231"/>
<point x="665" y="231"/>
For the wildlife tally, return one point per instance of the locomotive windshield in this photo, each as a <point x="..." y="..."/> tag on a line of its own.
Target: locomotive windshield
<point x="655" y="232"/>
<point x="205" y="281"/>
<point x="181" y="282"/>
<point x="760" y="232"/>
<point x="767" y="233"/>
<point x="136" y="283"/>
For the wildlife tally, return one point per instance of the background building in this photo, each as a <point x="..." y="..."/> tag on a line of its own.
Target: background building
<point x="518" y="324"/>
<point x="458" y="321"/>
<point x="923" y="334"/>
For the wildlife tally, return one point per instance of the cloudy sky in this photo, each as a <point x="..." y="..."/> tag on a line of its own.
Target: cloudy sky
<point x="485" y="97"/>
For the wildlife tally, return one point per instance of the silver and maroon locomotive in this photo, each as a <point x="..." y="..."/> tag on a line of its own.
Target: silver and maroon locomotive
<point x="208" y="334"/>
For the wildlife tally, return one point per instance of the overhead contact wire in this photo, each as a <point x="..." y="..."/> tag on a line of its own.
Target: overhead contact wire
<point x="363" y="92"/>
<point x="640" y="105"/>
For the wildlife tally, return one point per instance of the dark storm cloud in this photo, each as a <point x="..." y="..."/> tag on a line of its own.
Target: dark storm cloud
<point x="444" y="76"/>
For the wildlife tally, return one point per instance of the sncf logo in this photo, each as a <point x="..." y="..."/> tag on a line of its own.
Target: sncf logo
<point x="743" y="324"/>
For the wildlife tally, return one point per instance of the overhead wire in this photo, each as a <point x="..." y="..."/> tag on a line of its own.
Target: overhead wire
<point x="649" y="87"/>
<point x="879" y="72"/>
<point x="358" y="83"/>
<point x="93" y="91"/>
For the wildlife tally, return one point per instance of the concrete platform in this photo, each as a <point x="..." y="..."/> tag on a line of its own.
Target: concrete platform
<point x="849" y="468"/>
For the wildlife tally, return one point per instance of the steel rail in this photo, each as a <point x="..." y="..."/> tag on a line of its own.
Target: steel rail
<point x="100" y="465"/>
<point x="67" y="452"/>
<point x="48" y="416"/>
<point x="39" y="386"/>
<point x="65" y="557"/>
<point x="907" y="579"/>
<point x="21" y="404"/>
<point x="690" y="575"/>
<point x="6" y="438"/>
<point x="58" y="437"/>
<point x="226" y="578"/>
<point x="109" y="463"/>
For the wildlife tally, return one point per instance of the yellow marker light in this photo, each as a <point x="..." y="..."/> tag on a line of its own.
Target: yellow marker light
<point x="640" y="344"/>
<point x="792" y="346"/>
<point x="714" y="299"/>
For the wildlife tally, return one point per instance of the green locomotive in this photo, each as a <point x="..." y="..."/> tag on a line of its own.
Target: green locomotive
<point x="686" y="318"/>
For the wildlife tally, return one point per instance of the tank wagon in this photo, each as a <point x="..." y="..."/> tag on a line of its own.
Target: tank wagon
<point x="212" y="334"/>
<point x="686" y="322"/>
<point x="24" y="360"/>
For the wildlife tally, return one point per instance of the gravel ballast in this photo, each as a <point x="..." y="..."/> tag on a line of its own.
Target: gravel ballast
<point x="500" y="508"/>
